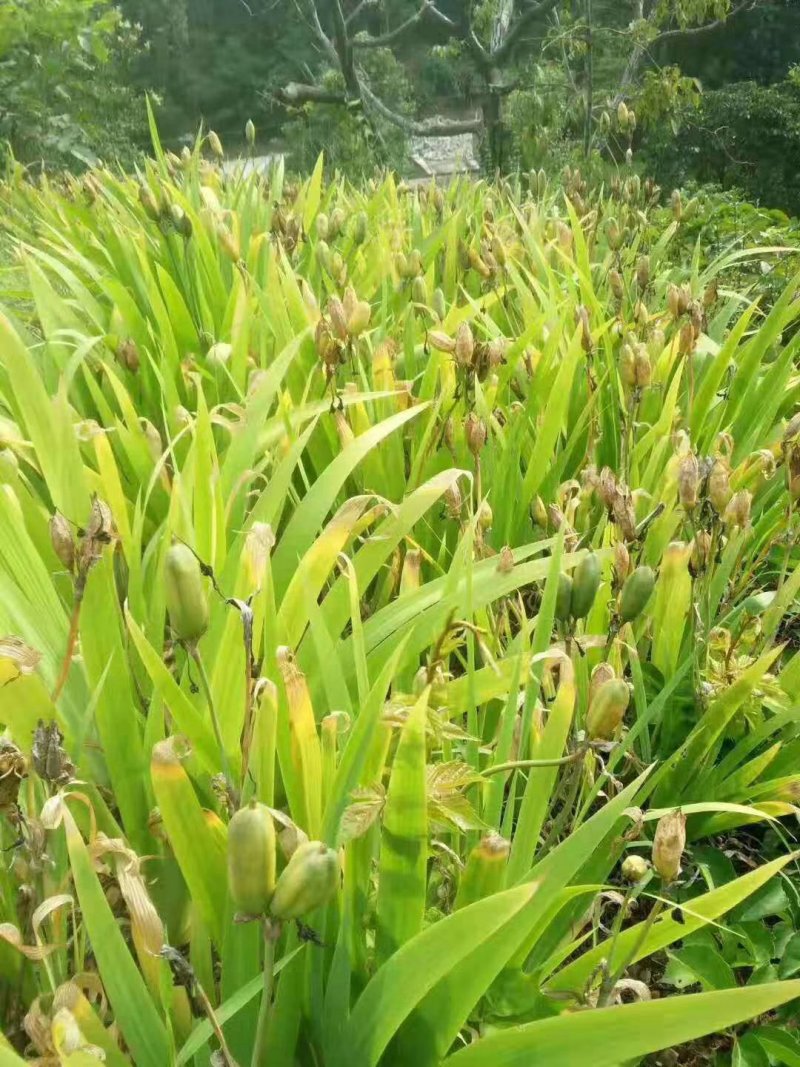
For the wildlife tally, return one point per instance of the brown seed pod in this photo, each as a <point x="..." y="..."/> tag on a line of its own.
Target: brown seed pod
<point x="668" y="845"/>
<point x="464" y="345"/>
<point x="688" y="481"/>
<point x="475" y="433"/>
<point x="62" y="540"/>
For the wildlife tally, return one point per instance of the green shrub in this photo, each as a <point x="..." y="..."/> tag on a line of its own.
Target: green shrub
<point x="745" y="136"/>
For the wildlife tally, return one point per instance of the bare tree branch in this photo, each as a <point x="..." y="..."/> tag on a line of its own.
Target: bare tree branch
<point x="427" y="8"/>
<point x="519" y="25"/>
<point x="296" y="93"/>
<point x="360" y="6"/>
<point x="420" y="129"/>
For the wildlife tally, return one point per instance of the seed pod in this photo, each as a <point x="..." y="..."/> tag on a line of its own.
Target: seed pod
<point x="484" y="873"/>
<point x="616" y="284"/>
<point x="439" y="305"/>
<point x="401" y="265"/>
<point x="622" y="115"/>
<point x="337" y="221"/>
<point x="338" y="317"/>
<point x="643" y="369"/>
<point x="477" y="263"/>
<point x="676" y="205"/>
<point x="718" y="487"/>
<point x="673" y="300"/>
<point x="464" y="345"/>
<point x="251" y="859"/>
<point x="607" y="710"/>
<point x="215" y="144"/>
<point x="684" y="299"/>
<point x="128" y="355"/>
<point x="636" y="592"/>
<point x="149" y="202"/>
<point x="309" y="880"/>
<point x="186" y="156"/>
<point x="585" y="583"/>
<point x="187" y="605"/>
<point x="602" y="673"/>
<point x="322" y="226"/>
<point x="419" y="290"/>
<point x="737" y="513"/>
<point x="686" y="339"/>
<point x="701" y="550"/>
<point x="688" y="481"/>
<point x="564" y="598"/>
<point x="614" y="235"/>
<point x="360" y="226"/>
<point x="359" y="319"/>
<point x="440" y="341"/>
<point x="498" y="250"/>
<point x="181" y="221"/>
<point x="453" y="501"/>
<point x="634" y="868"/>
<point x="62" y="540"/>
<point x="710" y="294"/>
<point x="622" y="562"/>
<point x="629" y="161"/>
<point x="250" y="132"/>
<point x="643" y="272"/>
<point x="627" y="365"/>
<point x="485" y="516"/>
<point x="475" y="433"/>
<point x="668" y="845"/>
<point x="324" y="257"/>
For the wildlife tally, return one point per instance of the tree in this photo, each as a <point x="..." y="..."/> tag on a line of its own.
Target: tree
<point x="504" y="41"/>
<point x="56" y="102"/>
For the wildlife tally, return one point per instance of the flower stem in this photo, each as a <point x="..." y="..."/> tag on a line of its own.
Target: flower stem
<point x="205" y="685"/>
<point x="259" y="1048"/>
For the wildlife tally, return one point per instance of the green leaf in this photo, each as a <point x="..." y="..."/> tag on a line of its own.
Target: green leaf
<point x="607" y="1037"/>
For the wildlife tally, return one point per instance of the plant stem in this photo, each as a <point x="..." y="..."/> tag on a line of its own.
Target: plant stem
<point x="205" y="685"/>
<point x="521" y="764"/>
<point x="72" y="637"/>
<point x="259" y="1048"/>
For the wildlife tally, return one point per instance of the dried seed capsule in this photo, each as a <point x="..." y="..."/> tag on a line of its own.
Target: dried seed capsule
<point x="338" y="317"/>
<point x="251" y="859"/>
<point x="485" y="870"/>
<point x="187" y="605"/>
<point x="607" y="710"/>
<point x="737" y="513"/>
<point x="62" y="540"/>
<point x="464" y="345"/>
<point x="673" y="301"/>
<point x="622" y="562"/>
<point x="614" y="235"/>
<point x="718" y="486"/>
<point x="643" y="369"/>
<point x="643" y="272"/>
<point x="668" y="845"/>
<point x="309" y="880"/>
<point x="634" y="868"/>
<point x="688" y="481"/>
<point x="585" y="583"/>
<point x="636" y="591"/>
<point x="602" y="673"/>
<point x="701" y="550"/>
<point x="475" y="433"/>
<point x="563" y="598"/>
<point x="627" y="365"/>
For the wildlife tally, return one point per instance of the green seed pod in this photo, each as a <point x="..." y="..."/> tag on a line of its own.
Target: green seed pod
<point x="309" y="880"/>
<point x="186" y="598"/>
<point x="337" y="221"/>
<point x="419" y="290"/>
<point x="322" y="226"/>
<point x="563" y="597"/>
<point x="485" y="871"/>
<point x="250" y="132"/>
<point x="636" y="591"/>
<point x="634" y="868"/>
<point x="215" y="144"/>
<point x="439" y="304"/>
<point x="607" y="710"/>
<point x="360" y="227"/>
<point x="585" y="583"/>
<point x="251" y="859"/>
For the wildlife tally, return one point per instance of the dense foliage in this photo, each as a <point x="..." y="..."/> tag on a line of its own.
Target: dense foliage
<point x="454" y="528"/>
<point x="745" y="136"/>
